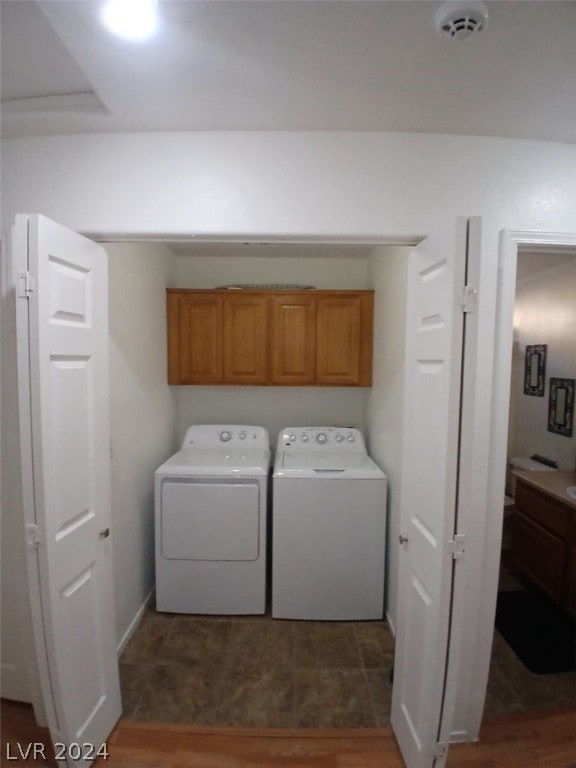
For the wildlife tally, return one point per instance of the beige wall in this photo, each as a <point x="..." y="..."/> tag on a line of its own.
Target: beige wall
<point x="142" y="415"/>
<point x="385" y="405"/>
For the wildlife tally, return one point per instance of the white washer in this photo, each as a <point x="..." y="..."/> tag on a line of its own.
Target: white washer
<point x="210" y="510"/>
<point x="329" y="526"/>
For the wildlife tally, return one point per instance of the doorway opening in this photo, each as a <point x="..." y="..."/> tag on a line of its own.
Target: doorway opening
<point x="536" y="563"/>
<point x="285" y="677"/>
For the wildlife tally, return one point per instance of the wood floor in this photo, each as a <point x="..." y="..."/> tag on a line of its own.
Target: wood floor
<point x="546" y="740"/>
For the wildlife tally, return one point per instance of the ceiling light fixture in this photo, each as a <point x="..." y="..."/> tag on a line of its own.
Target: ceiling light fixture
<point x="461" y="20"/>
<point x="134" y="20"/>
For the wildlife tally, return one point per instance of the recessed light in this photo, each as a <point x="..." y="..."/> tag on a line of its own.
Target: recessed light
<point x="134" y="20"/>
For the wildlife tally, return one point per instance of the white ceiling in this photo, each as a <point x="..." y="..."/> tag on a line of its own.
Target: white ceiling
<point x="349" y="65"/>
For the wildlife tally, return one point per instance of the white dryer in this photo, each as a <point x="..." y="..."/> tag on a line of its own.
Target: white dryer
<point x="329" y="526"/>
<point x="210" y="522"/>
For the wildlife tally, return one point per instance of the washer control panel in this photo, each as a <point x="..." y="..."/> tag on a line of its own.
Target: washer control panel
<point x="225" y="435"/>
<point x="321" y="439"/>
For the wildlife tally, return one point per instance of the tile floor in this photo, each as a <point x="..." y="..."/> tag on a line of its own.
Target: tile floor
<point x="259" y="672"/>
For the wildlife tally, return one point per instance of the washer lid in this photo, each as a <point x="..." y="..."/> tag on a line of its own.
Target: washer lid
<point x="346" y="465"/>
<point x="210" y="462"/>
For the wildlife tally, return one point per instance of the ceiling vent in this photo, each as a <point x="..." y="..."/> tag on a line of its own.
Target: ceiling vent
<point x="461" y="20"/>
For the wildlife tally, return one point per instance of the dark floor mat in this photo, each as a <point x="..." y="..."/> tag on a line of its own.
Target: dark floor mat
<point x="540" y="634"/>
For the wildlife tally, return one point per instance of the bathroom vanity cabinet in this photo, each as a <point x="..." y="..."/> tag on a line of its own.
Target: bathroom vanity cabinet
<point x="259" y="337"/>
<point x="544" y="533"/>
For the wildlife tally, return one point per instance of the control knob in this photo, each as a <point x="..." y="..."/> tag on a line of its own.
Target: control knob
<point x="351" y="439"/>
<point x="339" y="438"/>
<point x="321" y="438"/>
<point x="225" y="436"/>
<point x="304" y="438"/>
<point x="242" y="435"/>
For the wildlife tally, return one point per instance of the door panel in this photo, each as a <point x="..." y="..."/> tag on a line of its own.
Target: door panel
<point x="434" y="337"/>
<point x="63" y="364"/>
<point x="245" y="339"/>
<point x="338" y="359"/>
<point x="195" y="337"/>
<point x="293" y="339"/>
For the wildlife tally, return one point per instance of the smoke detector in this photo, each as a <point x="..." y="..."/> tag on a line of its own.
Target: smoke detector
<point x="457" y="20"/>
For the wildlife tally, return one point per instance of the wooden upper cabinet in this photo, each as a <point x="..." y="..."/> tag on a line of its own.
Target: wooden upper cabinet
<point x="195" y="338"/>
<point x="344" y="339"/>
<point x="245" y="339"/>
<point x="312" y="337"/>
<point x="293" y="339"/>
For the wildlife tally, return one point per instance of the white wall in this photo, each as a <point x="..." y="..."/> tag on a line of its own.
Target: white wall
<point x="386" y="402"/>
<point x="288" y="185"/>
<point x="272" y="407"/>
<point x="210" y="265"/>
<point x="299" y="186"/>
<point x="545" y="313"/>
<point x="338" y="267"/>
<point x="142" y="415"/>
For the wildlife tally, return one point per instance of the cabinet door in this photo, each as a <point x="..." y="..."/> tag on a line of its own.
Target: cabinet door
<point x="293" y="339"/>
<point x="344" y="340"/>
<point x="539" y="554"/>
<point x="245" y="339"/>
<point x="195" y="333"/>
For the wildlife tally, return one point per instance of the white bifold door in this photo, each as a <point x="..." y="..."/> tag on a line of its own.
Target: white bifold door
<point x="429" y="547"/>
<point x="62" y="331"/>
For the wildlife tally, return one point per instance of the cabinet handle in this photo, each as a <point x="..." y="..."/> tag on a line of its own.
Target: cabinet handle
<point x="105" y="533"/>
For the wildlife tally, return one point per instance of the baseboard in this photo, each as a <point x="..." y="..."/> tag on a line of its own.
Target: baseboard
<point x="134" y="623"/>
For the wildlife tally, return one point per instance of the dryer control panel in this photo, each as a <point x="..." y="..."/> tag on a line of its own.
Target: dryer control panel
<point x="314" y="439"/>
<point x="225" y="435"/>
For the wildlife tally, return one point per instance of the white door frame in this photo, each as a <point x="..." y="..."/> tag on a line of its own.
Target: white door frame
<point x="43" y="699"/>
<point x="480" y="516"/>
<point x="510" y="242"/>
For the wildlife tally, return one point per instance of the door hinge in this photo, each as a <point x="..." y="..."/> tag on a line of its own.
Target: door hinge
<point x="440" y="749"/>
<point x="469" y="298"/>
<point x="457" y="546"/>
<point x="25" y="285"/>
<point x="33" y="539"/>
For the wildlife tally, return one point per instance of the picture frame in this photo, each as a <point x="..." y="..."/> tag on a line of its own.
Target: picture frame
<point x="561" y="406"/>
<point x="535" y="369"/>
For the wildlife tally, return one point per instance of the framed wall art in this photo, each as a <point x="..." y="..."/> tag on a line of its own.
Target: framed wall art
<point x="535" y="369"/>
<point x="561" y="406"/>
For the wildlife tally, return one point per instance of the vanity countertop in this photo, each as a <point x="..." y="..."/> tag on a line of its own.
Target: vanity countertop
<point x="553" y="483"/>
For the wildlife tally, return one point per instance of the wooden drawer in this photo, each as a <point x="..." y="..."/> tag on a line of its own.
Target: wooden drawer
<point x="543" y="509"/>
<point x="539" y="554"/>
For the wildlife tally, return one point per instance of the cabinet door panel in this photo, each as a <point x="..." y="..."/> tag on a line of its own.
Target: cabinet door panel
<point x="344" y="340"/>
<point x="293" y="334"/>
<point x="194" y="339"/>
<point x="542" y="509"/>
<point x="539" y="554"/>
<point x="245" y="339"/>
